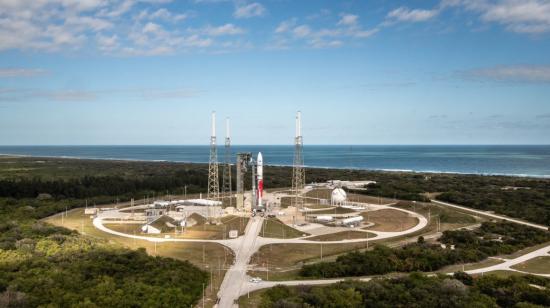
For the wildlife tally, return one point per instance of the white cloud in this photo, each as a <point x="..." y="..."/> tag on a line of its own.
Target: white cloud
<point x="365" y="33"/>
<point x="321" y="43"/>
<point x="86" y="22"/>
<point x="404" y="14"/>
<point x="516" y="73"/>
<point x="113" y="27"/>
<point x="107" y="43"/>
<point x="521" y="16"/>
<point x="285" y="25"/>
<point x="197" y="41"/>
<point x="348" y="20"/>
<point x="227" y="29"/>
<point x="152" y="27"/>
<point x="121" y="9"/>
<point x="301" y="31"/>
<point x="161" y="14"/>
<point x="21" y="72"/>
<point x="249" y="10"/>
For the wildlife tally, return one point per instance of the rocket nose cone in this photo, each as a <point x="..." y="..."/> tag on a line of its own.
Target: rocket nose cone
<point x="260" y="158"/>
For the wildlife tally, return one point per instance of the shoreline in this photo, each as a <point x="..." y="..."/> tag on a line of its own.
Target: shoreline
<point x="529" y="176"/>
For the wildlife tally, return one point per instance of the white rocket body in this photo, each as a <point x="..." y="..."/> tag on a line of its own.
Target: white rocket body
<point x="260" y="175"/>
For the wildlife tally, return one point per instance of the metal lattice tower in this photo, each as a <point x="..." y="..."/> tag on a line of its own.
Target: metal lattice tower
<point x="213" y="179"/>
<point x="298" y="172"/>
<point x="226" y="183"/>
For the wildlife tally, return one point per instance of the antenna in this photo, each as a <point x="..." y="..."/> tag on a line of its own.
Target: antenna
<point x="213" y="180"/>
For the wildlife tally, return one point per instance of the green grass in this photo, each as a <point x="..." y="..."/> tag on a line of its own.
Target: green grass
<point x="200" y="231"/>
<point x="539" y="265"/>
<point x="76" y="220"/>
<point x="273" y="227"/>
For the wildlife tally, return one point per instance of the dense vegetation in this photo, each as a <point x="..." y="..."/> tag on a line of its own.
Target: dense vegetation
<point x="64" y="271"/>
<point x="45" y="265"/>
<point x="469" y="246"/>
<point x="416" y="290"/>
<point x="525" y="198"/>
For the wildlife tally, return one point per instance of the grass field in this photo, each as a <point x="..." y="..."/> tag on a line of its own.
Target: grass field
<point x="202" y="231"/>
<point x="273" y="227"/>
<point x="344" y="235"/>
<point x="388" y="220"/>
<point x="291" y="256"/>
<point x="539" y="265"/>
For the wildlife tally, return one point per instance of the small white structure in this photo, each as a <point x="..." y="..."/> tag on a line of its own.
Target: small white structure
<point x="202" y="202"/>
<point x="338" y="196"/>
<point x="90" y="211"/>
<point x="324" y="218"/>
<point x="149" y="229"/>
<point x="233" y="233"/>
<point x="355" y="220"/>
<point x="350" y="184"/>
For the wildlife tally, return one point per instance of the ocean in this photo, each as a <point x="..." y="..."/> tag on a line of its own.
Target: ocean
<point x="515" y="160"/>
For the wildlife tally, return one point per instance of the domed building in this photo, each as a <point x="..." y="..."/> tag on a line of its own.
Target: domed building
<point x="338" y="196"/>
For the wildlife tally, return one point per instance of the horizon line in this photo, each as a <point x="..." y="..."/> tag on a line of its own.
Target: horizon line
<point x="286" y="144"/>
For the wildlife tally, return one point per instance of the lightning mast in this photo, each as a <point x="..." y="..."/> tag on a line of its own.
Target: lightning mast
<point x="226" y="184"/>
<point x="298" y="172"/>
<point x="213" y="180"/>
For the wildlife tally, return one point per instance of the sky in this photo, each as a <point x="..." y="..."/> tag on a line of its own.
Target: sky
<point x="361" y="72"/>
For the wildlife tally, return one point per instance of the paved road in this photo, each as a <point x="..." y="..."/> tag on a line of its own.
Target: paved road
<point x="230" y="289"/>
<point x="251" y="286"/>
<point x="506" y="266"/>
<point x="521" y="222"/>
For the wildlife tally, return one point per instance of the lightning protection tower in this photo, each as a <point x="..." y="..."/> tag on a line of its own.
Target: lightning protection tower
<point x="213" y="180"/>
<point x="226" y="183"/>
<point x="298" y="172"/>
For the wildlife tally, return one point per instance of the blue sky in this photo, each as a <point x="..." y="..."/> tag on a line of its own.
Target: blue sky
<point x="361" y="72"/>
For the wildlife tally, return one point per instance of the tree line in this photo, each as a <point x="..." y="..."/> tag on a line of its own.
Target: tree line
<point x="492" y="238"/>
<point x="416" y="290"/>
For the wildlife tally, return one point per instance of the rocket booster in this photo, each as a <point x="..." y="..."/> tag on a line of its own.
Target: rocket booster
<point x="260" y="175"/>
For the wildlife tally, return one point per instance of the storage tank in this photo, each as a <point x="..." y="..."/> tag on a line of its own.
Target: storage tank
<point x="352" y="220"/>
<point x="338" y="196"/>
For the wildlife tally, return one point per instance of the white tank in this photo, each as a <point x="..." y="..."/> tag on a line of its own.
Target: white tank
<point x="350" y="220"/>
<point x="338" y="195"/>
